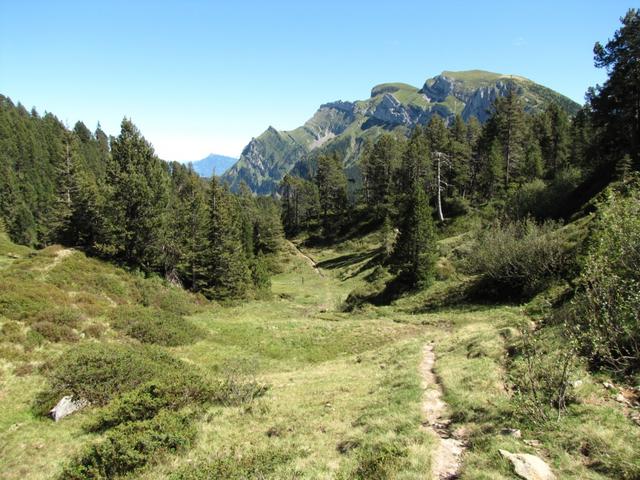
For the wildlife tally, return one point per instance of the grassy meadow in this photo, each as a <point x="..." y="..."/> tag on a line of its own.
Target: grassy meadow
<point x="339" y="393"/>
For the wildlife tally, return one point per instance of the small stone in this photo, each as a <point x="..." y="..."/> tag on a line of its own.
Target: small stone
<point x="608" y="386"/>
<point x="511" y="432"/>
<point x="66" y="406"/>
<point x="620" y="399"/>
<point x="533" y="443"/>
<point x="529" y="466"/>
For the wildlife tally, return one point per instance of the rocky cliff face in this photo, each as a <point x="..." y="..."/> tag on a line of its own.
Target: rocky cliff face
<point x="343" y="126"/>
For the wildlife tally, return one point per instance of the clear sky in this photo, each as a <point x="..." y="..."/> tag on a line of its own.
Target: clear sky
<point x="206" y="76"/>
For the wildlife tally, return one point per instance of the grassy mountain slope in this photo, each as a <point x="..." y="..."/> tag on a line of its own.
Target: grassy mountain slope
<point x="344" y="126"/>
<point x="344" y="394"/>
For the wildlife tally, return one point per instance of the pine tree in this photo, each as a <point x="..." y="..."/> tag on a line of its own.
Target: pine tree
<point x="227" y="267"/>
<point x="533" y="166"/>
<point x="510" y="124"/>
<point x="378" y="166"/>
<point x="416" y="163"/>
<point x="415" y="250"/>
<point x="137" y="202"/>
<point x="332" y="190"/>
<point x="493" y="169"/>
<point x="616" y="104"/>
<point x="189" y="226"/>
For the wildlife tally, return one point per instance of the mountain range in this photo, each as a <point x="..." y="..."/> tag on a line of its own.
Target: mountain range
<point x="344" y="126"/>
<point x="213" y="164"/>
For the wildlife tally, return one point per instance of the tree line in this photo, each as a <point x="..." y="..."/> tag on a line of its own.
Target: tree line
<point x="524" y="163"/>
<point x="117" y="200"/>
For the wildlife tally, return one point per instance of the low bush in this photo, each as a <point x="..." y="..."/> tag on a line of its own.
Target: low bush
<point x="379" y="461"/>
<point x="150" y="325"/>
<point x="259" y="465"/>
<point x="239" y="385"/>
<point x="540" y="375"/>
<point x="69" y="317"/>
<point x="543" y="200"/>
<point x="146" y="401"/>
<point x="99" y="372"/>
<point x="517" y="259"/>
<point x="22" y="298"/>
<point x="606" y="309"/>
<point x="55" y="332"/>
<point x="131" y="446"/>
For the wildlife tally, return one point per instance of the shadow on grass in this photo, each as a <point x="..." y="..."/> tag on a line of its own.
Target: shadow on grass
<point x="347" y="260"/>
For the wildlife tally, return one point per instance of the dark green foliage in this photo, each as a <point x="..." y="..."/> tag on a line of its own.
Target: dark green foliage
<point x="416" y="249"/>
<point x="151" y="325"/>
<point x="379" y="462"/>
<point x="227" y="265"/>
<point x="188" y="220"/>
<point x="131" y="446"/>
<point x="605" y="315"/>
<point x="332" y="192"/>
<point x="378" y="165"/>
<point x="136" y="201"/>
<point x="260" y="274"/>
<point x="416" y="163"/>
<point x="99" y="372"/>
<point x="542" y="200"/>
<point x="146" y="401"/>
<point x="300" y="203"/>
<point x="615" y="105"/>
<point x="517" y="259"/>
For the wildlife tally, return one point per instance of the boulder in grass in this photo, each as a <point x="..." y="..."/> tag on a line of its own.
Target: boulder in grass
<point x="66" y="406"/>
<point x="528" y="466"/>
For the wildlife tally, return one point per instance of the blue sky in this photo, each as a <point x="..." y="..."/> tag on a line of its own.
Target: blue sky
<point x="206" y="76"/>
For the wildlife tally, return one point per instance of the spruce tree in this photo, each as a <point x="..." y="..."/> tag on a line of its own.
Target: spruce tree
<point x="332" y="189"/>
<point x="509" y="118"/>
<point x="137" y="201"/>
<point x="227" y="267"/>
<point x="416" y="249"/>
<point x="378" y="166"/>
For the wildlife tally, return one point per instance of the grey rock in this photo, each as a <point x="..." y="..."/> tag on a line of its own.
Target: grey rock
<point x="66" y="406"/>
<point x="511" y="432"/>
<point x="529" y="466"/>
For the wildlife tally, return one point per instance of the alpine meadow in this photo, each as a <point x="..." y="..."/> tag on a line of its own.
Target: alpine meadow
<point x="437" y="282"/>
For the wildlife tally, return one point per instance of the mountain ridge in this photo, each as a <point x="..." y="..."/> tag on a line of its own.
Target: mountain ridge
<point x="346" y="125"/>
<point x="213" y="164"/>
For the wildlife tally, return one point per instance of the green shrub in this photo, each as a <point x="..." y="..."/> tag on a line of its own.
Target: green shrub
<point x="12" y="332"/>
<point x="150" y="325"/>
<point x="517" y="259"/>
<point x="129" y="447"/>
<point x="540" y="375"/>
<point x="379" y="462"/>
<point x="69" y="317"/>
<point x="155" y="292"/>
<point x="22" y="298"/>
<point x="606" y="309"/>
<point x="543" y="200"/>
<point x="146" y="401"/>
<point x="239" y="384"/>
<point x="99" y="372"/>
<point x="55" y="332"/>
<point x="259" y="465"/>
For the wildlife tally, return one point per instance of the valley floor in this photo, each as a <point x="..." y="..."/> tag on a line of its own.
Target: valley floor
<point x="346" y="392"/>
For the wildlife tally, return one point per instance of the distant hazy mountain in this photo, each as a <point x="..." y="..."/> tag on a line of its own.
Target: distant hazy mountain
<point x="213" y="163"/>
<point x="344" y="126"/>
